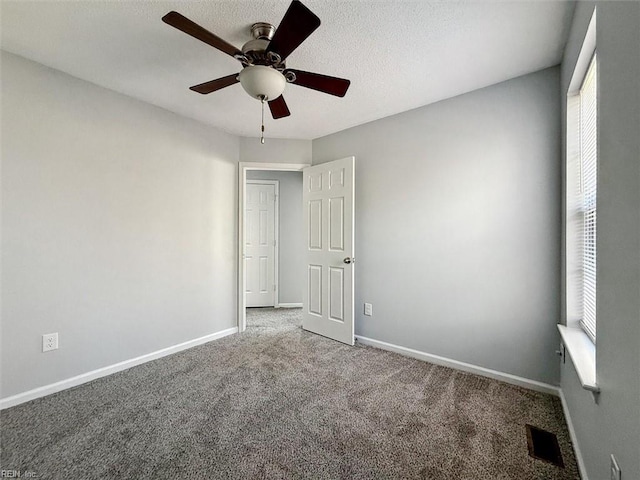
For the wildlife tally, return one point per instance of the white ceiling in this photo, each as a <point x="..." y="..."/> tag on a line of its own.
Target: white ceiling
<point x="398" y="55"/>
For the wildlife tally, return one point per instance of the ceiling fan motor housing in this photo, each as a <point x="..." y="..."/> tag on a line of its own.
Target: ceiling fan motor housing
<point x="257" y="45"/>
<point x="255" y="50"/>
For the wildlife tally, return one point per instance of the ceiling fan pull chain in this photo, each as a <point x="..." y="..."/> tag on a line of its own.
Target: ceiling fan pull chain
<point x="262" y="131"/>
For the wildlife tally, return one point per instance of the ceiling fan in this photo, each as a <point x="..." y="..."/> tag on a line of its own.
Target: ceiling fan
<point x="264" y="73"/>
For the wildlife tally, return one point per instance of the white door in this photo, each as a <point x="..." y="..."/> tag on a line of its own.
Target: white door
<point x="328" y="196"/>
<point x="260" y="244"/>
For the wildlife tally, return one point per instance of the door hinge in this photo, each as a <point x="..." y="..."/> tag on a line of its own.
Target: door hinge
<point x="274" y="287"/>
<point x="274" y="243"/>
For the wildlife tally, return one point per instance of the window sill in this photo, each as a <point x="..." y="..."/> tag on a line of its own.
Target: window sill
<point x="583" y="355"/>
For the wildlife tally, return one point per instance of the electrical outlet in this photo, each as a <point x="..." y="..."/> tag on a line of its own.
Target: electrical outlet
<point x="616" y="474"/>
<point x="49" y="342"/>
<point x="368" y="309"/>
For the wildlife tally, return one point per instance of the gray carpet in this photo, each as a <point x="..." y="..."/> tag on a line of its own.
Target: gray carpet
<point x="278" y="402"/>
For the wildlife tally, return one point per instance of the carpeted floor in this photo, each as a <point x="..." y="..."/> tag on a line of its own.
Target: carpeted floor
<point x="277" y="402"/>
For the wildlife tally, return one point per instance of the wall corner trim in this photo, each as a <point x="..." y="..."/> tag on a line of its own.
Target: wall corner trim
<point x="465" y="367"/>
<point x="108" y="370"/>
<point x="574" y="439"/>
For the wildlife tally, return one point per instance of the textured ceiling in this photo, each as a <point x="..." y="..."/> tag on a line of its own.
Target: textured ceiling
<point x="398" y="55"/>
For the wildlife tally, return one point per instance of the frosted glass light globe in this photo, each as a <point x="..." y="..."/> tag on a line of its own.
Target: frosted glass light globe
<point x="258" y="81"/>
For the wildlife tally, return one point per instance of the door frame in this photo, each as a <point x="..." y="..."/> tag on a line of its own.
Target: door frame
<point x="243" y="167"/>
<point x="276" y="234"/>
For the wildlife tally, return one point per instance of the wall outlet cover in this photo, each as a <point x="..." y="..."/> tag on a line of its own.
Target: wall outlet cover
<point x="49" y="342"/>
<point x="368" y="309"/>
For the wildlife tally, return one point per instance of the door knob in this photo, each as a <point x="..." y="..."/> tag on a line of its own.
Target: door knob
<point x="348" y="260"/>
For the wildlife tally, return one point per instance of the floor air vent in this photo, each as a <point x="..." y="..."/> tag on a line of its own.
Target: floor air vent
<point x="543" y="445"/>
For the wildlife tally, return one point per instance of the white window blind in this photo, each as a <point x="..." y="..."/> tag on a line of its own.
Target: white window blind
<point x="588" y="193"/>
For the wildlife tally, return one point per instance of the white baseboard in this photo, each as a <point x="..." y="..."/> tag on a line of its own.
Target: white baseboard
<point x="574" y="440"/>
<point x="104" y="371"/>
<point x="289" y="305"/>
<point x="466" y="367"/>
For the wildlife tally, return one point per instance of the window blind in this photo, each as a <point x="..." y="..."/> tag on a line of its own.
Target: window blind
<point x="588" y="193"/>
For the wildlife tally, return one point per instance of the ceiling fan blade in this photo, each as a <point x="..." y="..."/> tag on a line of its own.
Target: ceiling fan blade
<point x="322" y="83"/>
<point x="279" y="108"/>
<point x="217" y="84"/>
<point x="185" y="25"/>
<point x="297" y="24"/>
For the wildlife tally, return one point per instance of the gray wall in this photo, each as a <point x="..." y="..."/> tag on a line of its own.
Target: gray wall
<point x="612" y="425"/>
<point x="118" y="227"/>
<point x="291" y="231"/>
<point x="458" y="226"/>
<point x="275" y="150"/>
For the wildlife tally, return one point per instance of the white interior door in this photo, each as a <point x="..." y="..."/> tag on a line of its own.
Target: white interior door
<point x="260" y="244"/>
<point x="328" y="196"/>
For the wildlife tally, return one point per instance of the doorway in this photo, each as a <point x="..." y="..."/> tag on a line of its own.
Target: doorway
<point x="285" y="267"/>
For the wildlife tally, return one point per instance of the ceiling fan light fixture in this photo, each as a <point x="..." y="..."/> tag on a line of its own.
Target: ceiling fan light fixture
<point x="264" y="74"/>
<point x="262" y="82"/>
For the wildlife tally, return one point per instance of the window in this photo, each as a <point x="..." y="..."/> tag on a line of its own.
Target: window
<point x="582" y="170"/>
<point x="579" y="332"/>
<point x="588" y="193"/>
